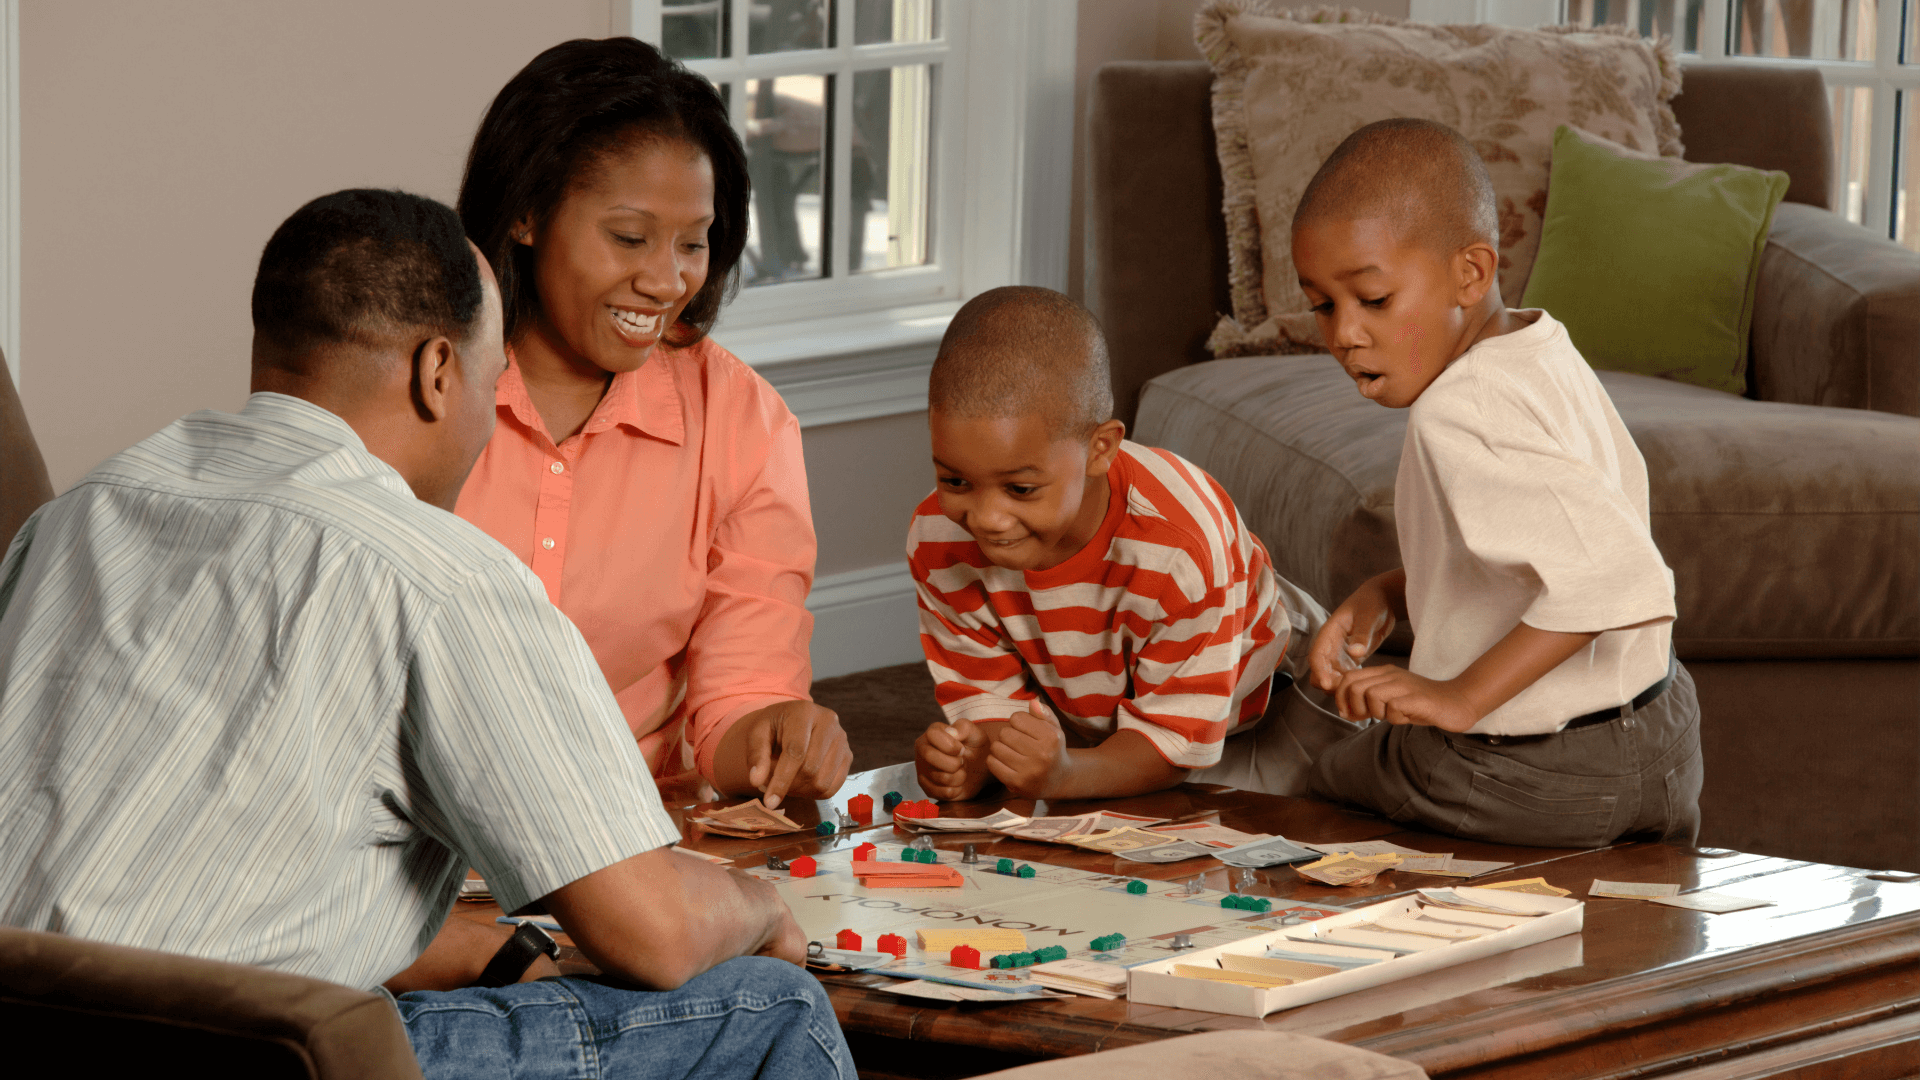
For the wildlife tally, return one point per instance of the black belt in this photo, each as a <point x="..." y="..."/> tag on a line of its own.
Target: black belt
<point x="1640" y="701"/>
<point x="1605" y="716"/>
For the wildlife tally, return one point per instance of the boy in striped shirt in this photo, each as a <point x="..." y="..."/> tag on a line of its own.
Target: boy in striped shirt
<point x="1096" y="616"/>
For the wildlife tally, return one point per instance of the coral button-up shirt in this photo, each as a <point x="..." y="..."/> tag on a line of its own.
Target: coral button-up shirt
<point x="674" y="531"/>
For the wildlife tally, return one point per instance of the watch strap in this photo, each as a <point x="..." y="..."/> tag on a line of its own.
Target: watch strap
<point x="527" y="944"/>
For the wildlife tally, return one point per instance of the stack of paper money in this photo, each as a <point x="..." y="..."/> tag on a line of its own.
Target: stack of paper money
<point x="1348" y="869"/>
<point x="752" y="820"/>
<point x="1534" y="885"/>
<point x="998" y="821"/>
<point x="1087" y="977"/>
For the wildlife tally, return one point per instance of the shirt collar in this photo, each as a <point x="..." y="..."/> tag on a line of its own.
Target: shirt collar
<point x="645" y="401"/>
<point x="302" y="416"/>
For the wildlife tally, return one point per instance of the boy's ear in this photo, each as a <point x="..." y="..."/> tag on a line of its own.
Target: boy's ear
<point x="1103" y="446"/>
<point x="1476" y="269"/>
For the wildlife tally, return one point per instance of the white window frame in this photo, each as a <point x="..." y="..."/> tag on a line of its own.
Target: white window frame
<point x="858" y="346"/>
<point x="1885" y="75"/>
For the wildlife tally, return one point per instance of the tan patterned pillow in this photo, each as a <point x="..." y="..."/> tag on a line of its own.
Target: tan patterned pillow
<point x="1290" y="84"/>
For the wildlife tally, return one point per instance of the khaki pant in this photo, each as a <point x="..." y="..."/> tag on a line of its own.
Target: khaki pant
<point x="1637" y="775"/>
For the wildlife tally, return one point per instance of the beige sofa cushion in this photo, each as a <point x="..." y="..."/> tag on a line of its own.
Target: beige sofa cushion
<point x="1792" y="530"/>
<point x="1290" y="85"/>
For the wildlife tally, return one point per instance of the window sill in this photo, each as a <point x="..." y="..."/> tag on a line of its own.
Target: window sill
<point x="855" y="367"/>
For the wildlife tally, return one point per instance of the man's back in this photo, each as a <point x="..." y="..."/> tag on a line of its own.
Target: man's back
<point x="258" y="703"/>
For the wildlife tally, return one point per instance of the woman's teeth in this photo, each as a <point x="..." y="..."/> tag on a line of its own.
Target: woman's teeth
<point x="635" y="323"/>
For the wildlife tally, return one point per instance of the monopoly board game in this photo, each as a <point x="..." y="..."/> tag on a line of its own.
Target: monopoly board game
<point x="1056" y="906"/>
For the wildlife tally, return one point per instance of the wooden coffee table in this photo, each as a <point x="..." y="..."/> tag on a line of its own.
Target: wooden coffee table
<point x="1826" y="983"/>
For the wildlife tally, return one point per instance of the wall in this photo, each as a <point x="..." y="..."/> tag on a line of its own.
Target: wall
<point x="162" y="143"/>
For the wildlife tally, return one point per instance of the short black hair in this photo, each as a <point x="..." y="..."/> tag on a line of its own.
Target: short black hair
<point x="361" y="266"/>
<point x="1021" y="350"/>
<point x="1423" y="176"/>
<point x="555" y="121"/>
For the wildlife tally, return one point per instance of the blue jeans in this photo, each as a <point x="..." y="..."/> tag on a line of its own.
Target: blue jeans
<point x="750" y="1017"/>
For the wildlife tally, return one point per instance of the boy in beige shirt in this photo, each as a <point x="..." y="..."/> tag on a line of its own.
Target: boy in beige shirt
<point x="1542" y="703"/>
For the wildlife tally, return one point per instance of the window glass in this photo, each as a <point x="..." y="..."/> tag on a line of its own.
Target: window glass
<point x="876" y="22"/>
<point x="1679" y="19"/>
<point x="892" y="141"/>
<point x="1812" y="29"/>
<point x="1906" y="193"/>
<point x="788" y="25"/>
<point x="788" y="122"/>
<point x="1852" y="148"/>
<point x="694" y="29"/>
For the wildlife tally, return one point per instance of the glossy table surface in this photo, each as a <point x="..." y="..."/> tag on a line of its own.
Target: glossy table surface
<point x="1824" y="983"/>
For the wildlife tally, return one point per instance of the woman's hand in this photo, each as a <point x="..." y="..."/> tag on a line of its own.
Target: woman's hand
<point x="794" y="748"/>
<point x="1357" y="627"/>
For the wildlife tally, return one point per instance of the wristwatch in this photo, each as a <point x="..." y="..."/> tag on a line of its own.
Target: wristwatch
<point x="527" y="944"/>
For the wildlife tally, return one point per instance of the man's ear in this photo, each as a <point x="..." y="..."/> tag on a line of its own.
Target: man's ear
<point x="1476" y="269"/>
<point x="434" y="363"/>
<point x="1103" y="446"/>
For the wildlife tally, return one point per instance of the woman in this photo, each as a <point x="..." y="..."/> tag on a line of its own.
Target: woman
<point x="649" y="478"/>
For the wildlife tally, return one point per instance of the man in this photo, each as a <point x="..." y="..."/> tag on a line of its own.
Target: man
<point x="263" y="699"/>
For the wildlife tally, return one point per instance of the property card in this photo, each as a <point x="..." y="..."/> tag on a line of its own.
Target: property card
<point x="1631" y="890"/>
<point x="1717" y="903"/>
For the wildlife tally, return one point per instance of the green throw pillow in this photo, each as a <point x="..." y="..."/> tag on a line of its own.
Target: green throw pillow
<point x="1651" y="262"/>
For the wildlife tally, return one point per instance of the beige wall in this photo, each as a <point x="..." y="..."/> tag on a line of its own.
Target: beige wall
<point x="865" y="478"/>
<point x="161" y="143"/>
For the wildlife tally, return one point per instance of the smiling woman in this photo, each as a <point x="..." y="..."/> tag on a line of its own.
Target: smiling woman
<point x="651" y="480"/>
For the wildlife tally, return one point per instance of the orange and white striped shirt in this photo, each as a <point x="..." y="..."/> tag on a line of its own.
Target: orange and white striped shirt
<point x="1169" y="622"/>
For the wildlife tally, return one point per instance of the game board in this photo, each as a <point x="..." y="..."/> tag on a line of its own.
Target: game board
<point x="1057" y="906"/>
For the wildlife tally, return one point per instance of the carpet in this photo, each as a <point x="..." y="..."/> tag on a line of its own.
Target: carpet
<point x="882" y="710"/>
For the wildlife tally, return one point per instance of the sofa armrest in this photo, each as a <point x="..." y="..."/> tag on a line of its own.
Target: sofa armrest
<point x="1156" y="266"/>
<point x="1836" y="316"/>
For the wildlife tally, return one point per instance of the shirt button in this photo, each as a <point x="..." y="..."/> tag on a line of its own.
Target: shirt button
<point x="557" y="467"/>
<point x="547" y="543"/>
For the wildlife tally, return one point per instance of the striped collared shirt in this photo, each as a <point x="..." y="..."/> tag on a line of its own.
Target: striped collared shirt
<point x="1169" y="622"/>
<point x="260" y="704"/>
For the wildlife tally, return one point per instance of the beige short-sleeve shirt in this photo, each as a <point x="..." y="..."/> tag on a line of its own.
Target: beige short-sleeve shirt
<point x="1522" y="498"/>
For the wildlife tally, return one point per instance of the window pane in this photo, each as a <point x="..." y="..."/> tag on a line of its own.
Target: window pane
<point x="787" y="157"/>
<point x="1852" y="144"/>
<point x="694" y="29"/>
<point x="1649" y="17"/>
<point x="892" y="164"/>
<point x="786" y="25"/>
<point x="1815" y="29"/>
<point x="1906" y="197"/>
<point x="879" y="21"/>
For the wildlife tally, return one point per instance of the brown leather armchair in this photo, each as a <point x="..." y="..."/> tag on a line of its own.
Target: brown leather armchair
<point x="120" y="1012"/>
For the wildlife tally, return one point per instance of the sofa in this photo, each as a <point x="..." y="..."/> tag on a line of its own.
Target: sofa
<point x="1790" y="516"/>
